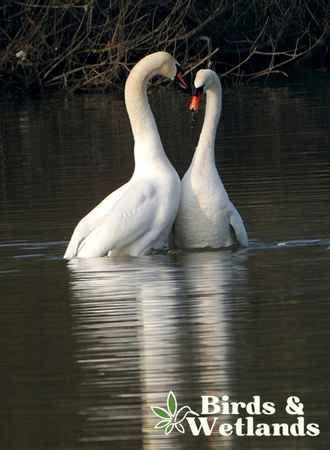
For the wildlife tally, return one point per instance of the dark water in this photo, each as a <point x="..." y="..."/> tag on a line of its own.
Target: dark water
<point x="88" y="346"/>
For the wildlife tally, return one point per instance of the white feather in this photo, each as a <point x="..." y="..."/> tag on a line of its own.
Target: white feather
<point x="206" y="216"/>
<point x="139" y="215"/>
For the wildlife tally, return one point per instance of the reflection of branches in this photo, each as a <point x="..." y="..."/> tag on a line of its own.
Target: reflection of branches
<point x="84" y="44"/>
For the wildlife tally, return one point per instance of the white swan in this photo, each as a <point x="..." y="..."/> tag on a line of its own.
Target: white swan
<point x="206" y="217"/>
<point x="139" y="215"/>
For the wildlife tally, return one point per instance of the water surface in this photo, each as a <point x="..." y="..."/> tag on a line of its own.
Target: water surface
<point x="89" y="345"/>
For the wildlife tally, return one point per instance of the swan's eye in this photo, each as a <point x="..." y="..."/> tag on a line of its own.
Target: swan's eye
<point x="198" y="91"/>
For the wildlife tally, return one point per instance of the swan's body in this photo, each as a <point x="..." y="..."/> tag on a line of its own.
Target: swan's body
<point x="206" y="217"/>
<point x="138" y="216"/>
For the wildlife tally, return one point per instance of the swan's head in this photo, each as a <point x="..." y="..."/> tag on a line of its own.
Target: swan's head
<point x="164" y="64"/>
<point x="205" y="79"/>
<point x="170" y="68"/>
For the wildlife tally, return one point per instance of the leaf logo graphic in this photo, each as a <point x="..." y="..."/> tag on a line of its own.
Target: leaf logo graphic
<point x="172" y="417"/>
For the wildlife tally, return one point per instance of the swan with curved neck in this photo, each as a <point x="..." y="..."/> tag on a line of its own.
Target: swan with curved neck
<point x="138" y="216"/>
<point x="206" y="217"/>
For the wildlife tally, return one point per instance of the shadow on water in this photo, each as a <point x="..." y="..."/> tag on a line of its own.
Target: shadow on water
<point x="89" y="345"/>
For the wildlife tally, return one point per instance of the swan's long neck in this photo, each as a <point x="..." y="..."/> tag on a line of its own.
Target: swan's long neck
<point x="147" y="143"/>
<point x="205" y="147"/>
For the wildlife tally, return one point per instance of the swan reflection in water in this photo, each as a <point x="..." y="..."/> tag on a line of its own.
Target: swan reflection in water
<point x="143" y="327"/>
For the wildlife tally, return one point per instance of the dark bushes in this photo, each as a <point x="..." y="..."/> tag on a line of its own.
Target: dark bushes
<point x="92" y="44"/>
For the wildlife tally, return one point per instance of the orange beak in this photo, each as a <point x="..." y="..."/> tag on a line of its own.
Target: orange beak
<point x="195" y="102"/>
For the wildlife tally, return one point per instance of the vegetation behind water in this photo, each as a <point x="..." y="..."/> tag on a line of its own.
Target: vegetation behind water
<point x="92" y="44"/>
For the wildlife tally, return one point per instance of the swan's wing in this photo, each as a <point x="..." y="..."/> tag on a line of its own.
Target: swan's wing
<point x="92" y="219"/>
<point x="130" y="218"/>
<point x="238" y="226"/>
